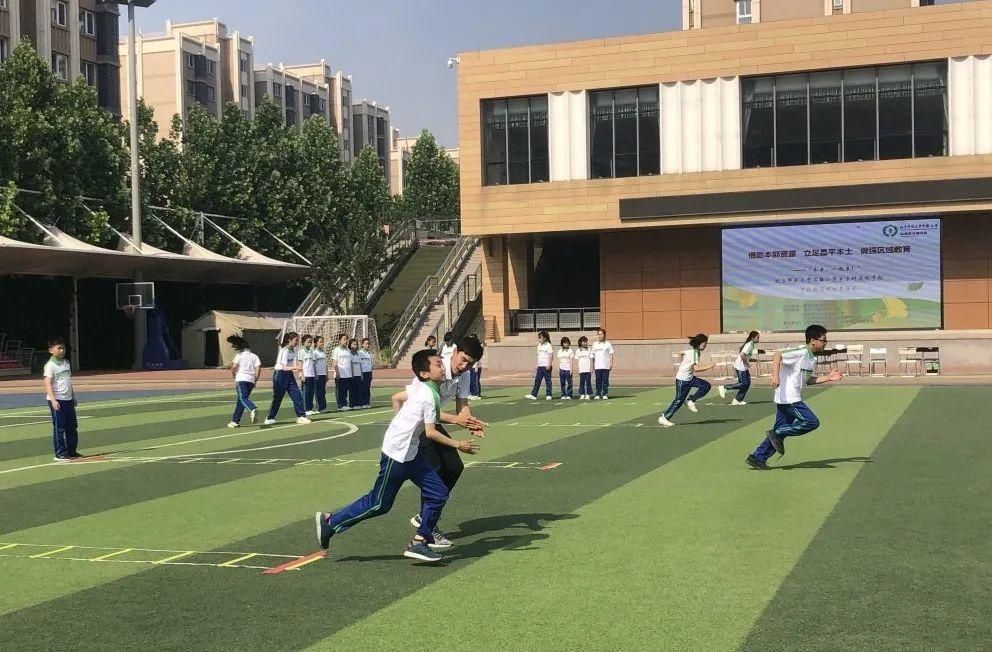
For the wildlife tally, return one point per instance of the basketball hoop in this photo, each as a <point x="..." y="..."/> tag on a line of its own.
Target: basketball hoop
<point x="129" y="311"/>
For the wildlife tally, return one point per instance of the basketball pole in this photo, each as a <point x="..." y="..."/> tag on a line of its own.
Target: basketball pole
<point x="132" y="60"/>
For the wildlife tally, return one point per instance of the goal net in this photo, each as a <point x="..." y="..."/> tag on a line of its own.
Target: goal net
<point x="330" y="327"/>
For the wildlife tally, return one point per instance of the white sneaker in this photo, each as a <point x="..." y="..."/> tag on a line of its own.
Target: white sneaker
<point x="664" y="422"/>
<point x="547" y="398"/>
<point x="310" y="413"/>
<point x="596" y="398"/>
<point x="722" y="390"/>
<point x="736" y="402"/>
<point x="269" y="422"/>
<point x="303" y="421"/>
<point x="344" y="408"/>
<point x="692" y="406"/>
<point x="253" y="416"/>
<point x="606" y="398"/>
<point x="530" y="397"/>
<point x="232" y="425"/>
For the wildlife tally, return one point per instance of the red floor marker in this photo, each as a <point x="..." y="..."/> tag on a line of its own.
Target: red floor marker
<point x="296" y="563"/>
<point x="549" y="466"/>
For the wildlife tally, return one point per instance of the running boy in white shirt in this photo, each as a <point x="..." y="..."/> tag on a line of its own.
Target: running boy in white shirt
<point x="792" y="370"/>
<point x="603" y="359"/>
<point x="246" y="369"/>
<point x="402" y="460"/>
<point x="584" y="357"/>
<point x="61" y="402"/>
<point x="565" y="356"/>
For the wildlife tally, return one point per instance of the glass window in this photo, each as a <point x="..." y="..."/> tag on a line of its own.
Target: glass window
<point x="60" y="66"/>
<point x="791" y="136"/>
<point x="515" y="140"/>
<point x="601" y="134"/>
<point x="758" y="121"/>
<point x="88" y="71"/>
<point x="930" y="109"/>
<point x="860" y="114"/>
<point x="518" y="140"/>
<point x="244" y="64"/>
<point x="190" y="60"/>
<point x="87" y="22"/>
<point x="191" y="88"/>
<point x="276" y="90"/>
<point x="895" y="112"/>
<point x="211" y="66"/>
<point x="60" y="14"/>
<point x="743" y="12"/>
<point x="624" y="131"/>
<point x="244" y="90"/>
<point x="4" y="48"/>
<point x="825" y="117"/>
<point x="211" y="94"/>
<point x="648" y="131"/>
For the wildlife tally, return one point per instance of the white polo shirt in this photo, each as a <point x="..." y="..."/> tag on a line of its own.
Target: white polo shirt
<point x="342" y="361"/>
<point x="402" y="437"/>
<point x="544" y="353"/>
<point x="601" y="352"/>
<point x="584" y="356"/>
<point x="798" y="364"/>
<point x="366" y="358"/>
<point x="690" y="358"/>
<point x="286" y="360"/>
<point x="448" y="350"/>
<point x="565" y="357"/>
<point x="356" y="364"/>
<point x="306" y="358"/>
<point x="320" y="362"/>
<point x="60" y="372"/>
<point x="453" y="386"/>
<point x="748" y="352"/>
<point x="248" y="364"/>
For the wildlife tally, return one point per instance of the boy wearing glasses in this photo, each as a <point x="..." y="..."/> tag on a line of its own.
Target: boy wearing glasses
<point x="792" y="369"/>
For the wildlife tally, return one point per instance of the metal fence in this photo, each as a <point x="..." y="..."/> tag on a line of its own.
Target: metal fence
<point x="554" y="319"/>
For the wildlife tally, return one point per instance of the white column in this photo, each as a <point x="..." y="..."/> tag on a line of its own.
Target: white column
<point x="568" y="140"/>
<point x="72" y="23"/>
<point x="14" y="7"/>
<point x="43" y="29"/>
<point x="961" y="101"/>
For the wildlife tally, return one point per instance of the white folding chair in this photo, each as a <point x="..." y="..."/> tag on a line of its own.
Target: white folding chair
<point x="910" y="362"/>
<point x="839" y="357"/>
<point x="878" y="357"/>
<point x="854" y="358"/>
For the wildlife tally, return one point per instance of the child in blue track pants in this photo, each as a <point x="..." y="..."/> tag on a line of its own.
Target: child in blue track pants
<point x="742" y="367"/>
<point x="246" y="368"/>
<point x="544" y="353"/>
<point x="284" y="381"/>
<point x="584" y="357"/>
<point x="603" y="359"/>
<point x="402" y="460"/>
<point x="792" y="370"/>
<point x="686" y="380"/>
<point x="320" y="366"/>
<point x="61" y="400"/>
<point x="565" y="357"/>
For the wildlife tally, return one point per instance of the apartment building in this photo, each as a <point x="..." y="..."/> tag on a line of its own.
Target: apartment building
<point x="176" y="72"/>
<point x="713" y="180"/>
<point x="338" y="110"/>
<point x="78" y="37"/>
<point x="372" y="128"/>
<point x="299" y="96"/>
<point x="234" y="77"/>
<point x="400" y="152"/>
<point x="700" y="14"/>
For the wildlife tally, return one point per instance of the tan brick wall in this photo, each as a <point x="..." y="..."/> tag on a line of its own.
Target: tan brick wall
<point x="717" y="13"/>
<point x="910" y="34"/>
<point x="494" y="284"/>
<point x="793" y="9"/>
<point x="878" y="5"/>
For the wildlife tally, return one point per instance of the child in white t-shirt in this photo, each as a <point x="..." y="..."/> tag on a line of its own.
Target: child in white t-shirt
<point x="365" y="354"/>
<point x="544" y="366"/>
<point x="583" y="355"/>
<point x="602" y="358"/>
<point x="742" y="367"/>
<point x="61" y="402"/>
<point x="342" y="372"/>
<point x="309" y="367"/>
<point x="320" y="367"/>
<point x="355" y="392"/>
<point x="686" y="380"/>
<point x="566" y="354"/>
<point x="246" y="369"/>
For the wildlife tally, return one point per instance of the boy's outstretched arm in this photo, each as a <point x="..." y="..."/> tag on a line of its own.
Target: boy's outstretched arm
<point x="465" y="446"/>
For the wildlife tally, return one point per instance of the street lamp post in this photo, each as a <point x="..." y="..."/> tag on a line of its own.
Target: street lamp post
<point x="132" y="76"/>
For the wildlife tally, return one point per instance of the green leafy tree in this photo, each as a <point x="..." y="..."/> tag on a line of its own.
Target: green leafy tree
<point x="431" y="185"/>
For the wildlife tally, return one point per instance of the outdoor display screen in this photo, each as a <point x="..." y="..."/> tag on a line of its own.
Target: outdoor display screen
<point x="874" y="275"/>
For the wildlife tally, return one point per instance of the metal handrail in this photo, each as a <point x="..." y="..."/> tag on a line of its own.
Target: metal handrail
<point x="467" y="292"/>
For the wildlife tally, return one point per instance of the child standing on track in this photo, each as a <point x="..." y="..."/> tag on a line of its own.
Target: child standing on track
<point x="603" y="359"/>
<point x="342" y="372"/>
<point x="402" y="460"/>
<point x="544" y="366"/>
<point x="686" y="380"/>
<point x="320" y="367"/>
<point x="792" y="370"/>
<point x="742" y="367"/>
<point x="448" y="348"/>
<point x="475" y="376"/>
<point x="366" y="357"/>
<point x="584" y="356"/>
<point x="565" y="356"/>
<point x="284" y="381"/>
<point x="61" y="402"/>
<point x="246" y="369"/>
<point x="309" y="366"/>
<point x="355" y="401"/>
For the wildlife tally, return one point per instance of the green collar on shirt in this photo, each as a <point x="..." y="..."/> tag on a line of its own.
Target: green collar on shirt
<point x="56" y="360"/>
<point x="436" y="391"/>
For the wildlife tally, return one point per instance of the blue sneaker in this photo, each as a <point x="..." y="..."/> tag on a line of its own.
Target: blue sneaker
<point x="419" y="550"/>
<point x="324" y="530"/>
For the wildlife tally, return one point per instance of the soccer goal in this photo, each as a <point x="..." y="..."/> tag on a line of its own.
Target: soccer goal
<point x="330" y="327"/>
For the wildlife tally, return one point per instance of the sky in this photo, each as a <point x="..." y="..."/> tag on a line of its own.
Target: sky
<point x="397" y="54"/>
<point x="396" y="50"/>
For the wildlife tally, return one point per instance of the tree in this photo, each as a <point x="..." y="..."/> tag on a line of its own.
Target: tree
<point x="431" y="185"/>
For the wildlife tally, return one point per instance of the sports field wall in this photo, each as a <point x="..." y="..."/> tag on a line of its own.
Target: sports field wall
<point x="665" y="283"/>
